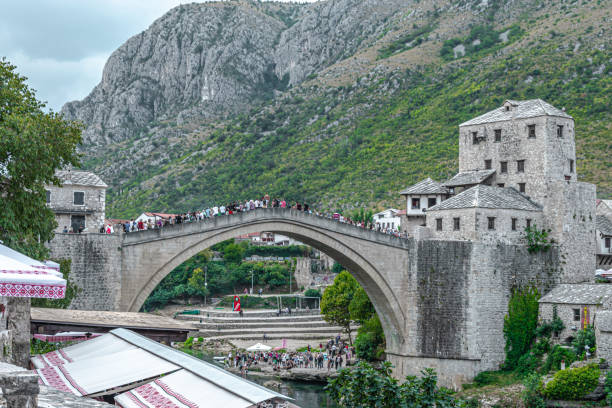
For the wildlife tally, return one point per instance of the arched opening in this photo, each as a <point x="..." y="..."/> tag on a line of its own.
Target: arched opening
<point x="386" y="304"/>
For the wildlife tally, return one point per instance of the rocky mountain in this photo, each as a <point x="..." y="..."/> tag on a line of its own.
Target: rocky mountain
<point x="340" y="102"/>
<point x="210" y="60"/>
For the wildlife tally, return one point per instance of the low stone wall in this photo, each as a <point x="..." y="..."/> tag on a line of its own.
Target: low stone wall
<point x="95" y="268"/>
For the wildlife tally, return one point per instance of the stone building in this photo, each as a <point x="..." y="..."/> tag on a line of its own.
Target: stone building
<point x="603" y="334"/>
<point x="603" y="234"/>
<point x="517" y="168"/>
<point x="79" y="203"/>
<point x="484" y="213"/>
<point x="419" y="197"/>
<point x="577" y="306"/>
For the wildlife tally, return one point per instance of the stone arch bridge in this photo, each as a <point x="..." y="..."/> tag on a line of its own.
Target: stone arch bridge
<point x="441" y="303"/>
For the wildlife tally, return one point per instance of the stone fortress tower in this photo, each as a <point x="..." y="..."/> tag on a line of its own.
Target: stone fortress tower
<point x="517" y="169"/>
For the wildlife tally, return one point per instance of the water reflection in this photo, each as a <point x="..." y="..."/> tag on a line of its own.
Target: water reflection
<point x="306" y="395"/>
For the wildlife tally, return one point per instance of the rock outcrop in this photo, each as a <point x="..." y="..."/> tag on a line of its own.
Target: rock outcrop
<point x="213" y="59"/>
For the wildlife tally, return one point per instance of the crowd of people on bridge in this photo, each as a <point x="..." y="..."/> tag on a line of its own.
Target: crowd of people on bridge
<point x="331" y="356"/>
<point x="157" y="221"/>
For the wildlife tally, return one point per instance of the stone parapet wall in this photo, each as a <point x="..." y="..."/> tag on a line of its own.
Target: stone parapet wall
<point x="95" y="268"/>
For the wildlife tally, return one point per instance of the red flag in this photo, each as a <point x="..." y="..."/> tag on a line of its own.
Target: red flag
<point x="236" y="307"/>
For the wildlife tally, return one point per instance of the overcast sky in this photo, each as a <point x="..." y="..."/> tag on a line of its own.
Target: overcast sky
<point x="62" y="45"/>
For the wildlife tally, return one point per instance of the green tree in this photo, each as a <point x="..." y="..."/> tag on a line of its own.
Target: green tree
<point x="360" y="308"/>
<point x="233" y="253"/>
<point x="520" y="324"/>
<point x="33" y="145"/>
<point x="365" y="386"/>
<point x="336" y="300"/>
<point x="197" y="281"/>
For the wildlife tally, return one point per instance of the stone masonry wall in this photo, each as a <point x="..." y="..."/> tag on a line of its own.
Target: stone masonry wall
<point x="496" y="271"/>
<point x="62" y="202"/>
<point x="570" y="215"/>
<point x="95" y="268"/>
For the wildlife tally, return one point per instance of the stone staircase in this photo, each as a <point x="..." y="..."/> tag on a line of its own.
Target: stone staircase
<point x="302" y="327"/>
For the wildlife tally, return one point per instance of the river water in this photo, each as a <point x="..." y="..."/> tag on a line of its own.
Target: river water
<point x="306" y="395"/>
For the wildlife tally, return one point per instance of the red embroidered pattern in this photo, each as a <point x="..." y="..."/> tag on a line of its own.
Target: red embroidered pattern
<point x="53" y="379"/>
<point x="175" y="394"/>
<point x="28" y="272"/>
<point x="71" y="380"/>
<point x="32" y="290"/>
<point x="63" y="353"/>
<point x="135" y="399"/>
<point x="148" y="393"/>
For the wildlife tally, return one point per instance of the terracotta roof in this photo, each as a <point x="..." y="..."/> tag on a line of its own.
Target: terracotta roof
<point x="80" y="178"/>
<point x="580" y="294"/>
<point x="401" y="212"/>
<point x="482" y="196"/>
<point x="604" y="224"/>
<point x="427" y="186"/>
<point x="520" y="110"/>
<point x="467" y="178"/>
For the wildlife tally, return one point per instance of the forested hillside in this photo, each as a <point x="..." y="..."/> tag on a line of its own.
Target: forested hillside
<point x="362" y="126"/>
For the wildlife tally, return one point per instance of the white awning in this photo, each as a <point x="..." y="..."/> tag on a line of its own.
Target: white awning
<point x="49" y="266"/>
<point x="94" y="375"/>
<point x="181" y="389"/>
<point x="259" y="347"/>
<point x="106" y="344"/>
<point x="21" y="280"/>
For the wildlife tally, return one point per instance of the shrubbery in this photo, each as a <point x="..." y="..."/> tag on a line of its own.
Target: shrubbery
<point x="520" y="325"/>
<point x="572" y="383"/>
<point x="555" y="356"/>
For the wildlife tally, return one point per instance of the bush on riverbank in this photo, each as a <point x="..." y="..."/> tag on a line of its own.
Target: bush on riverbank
<point x="572" y="383"/>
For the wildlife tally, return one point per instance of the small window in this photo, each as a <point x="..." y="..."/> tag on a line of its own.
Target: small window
<point x="79" y="198"/>
<point x="497" y="135"/>
<point x="48" y="194"/>
<point x="491" y="223"/>
<point x="488" y="164"/>
<point x="520" y="166"/>
<point x="416" y="203"/>
<point x="507" y="108"/>
<point x="514" y="221"/>
<point x="607" y="243"/>
<point x="531" y="131"/>
<point x="504" y="167"/>
<point x="431" y="201"/>
<point x="576" y="315"/>
<point x="522" y="187"/>
<point x="438" y="224"/>
<point x="474" y="137"/>
<point x="559" y="130"/>
<point x="456" y="224"/>
<point x="571" y="166"/>
<point x="528" y="222"/>
<point x="500" y="185"/>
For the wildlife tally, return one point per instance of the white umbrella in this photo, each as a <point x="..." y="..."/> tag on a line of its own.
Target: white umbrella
<point x="259" y="347"/>
<point x="18" y="256"/>
<point x="18" y="279"/>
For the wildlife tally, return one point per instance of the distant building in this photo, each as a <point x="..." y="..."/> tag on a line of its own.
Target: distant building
<point x="419" y="197"/>
<point x="388" y="219"/>
<point x="577" y="305"/>
<point x="79" y="203"/>
<point x="154" y="217"/>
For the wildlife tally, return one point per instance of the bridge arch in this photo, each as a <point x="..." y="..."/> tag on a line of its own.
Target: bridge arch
<point x="177" y="244"/>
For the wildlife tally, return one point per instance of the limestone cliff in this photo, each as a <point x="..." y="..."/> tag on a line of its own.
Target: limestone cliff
<point x="212" y="59"/>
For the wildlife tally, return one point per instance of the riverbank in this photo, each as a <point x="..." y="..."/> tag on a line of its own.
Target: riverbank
<point x="311" y="375"/>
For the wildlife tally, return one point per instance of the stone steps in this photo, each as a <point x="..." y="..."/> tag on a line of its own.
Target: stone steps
<point x="267" y="313"/>
<point x="319" y="332"/>
<point x="247" y="319"/>
<point x="246" y="324"/>
<point x="321" y="337"/>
